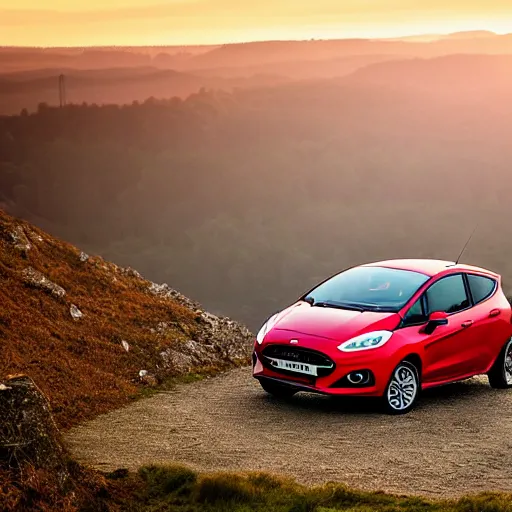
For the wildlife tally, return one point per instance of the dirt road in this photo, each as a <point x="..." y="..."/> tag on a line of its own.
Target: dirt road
<point x="458" y="440"/>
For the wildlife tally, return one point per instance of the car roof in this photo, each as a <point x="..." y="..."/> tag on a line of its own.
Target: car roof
<point x="428" y="267"/>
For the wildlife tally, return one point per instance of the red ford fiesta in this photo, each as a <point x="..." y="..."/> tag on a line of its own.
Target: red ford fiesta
<point x="389" y="329"/>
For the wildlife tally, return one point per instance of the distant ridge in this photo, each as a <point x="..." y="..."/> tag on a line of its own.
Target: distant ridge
<point x="470" y="34"/>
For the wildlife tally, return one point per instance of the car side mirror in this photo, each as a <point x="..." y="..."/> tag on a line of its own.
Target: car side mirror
<point x="435" y="319"/>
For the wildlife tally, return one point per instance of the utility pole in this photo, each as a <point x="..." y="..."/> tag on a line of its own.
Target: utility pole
<point x="62" y="90"/>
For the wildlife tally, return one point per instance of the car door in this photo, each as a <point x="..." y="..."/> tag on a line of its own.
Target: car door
<point x="486" y="316"/>
<point x="444" y="351"/>
<point x="449" y="352"/>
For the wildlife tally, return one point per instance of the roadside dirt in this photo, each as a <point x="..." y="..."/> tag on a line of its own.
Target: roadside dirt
<point x="457" y="441"/>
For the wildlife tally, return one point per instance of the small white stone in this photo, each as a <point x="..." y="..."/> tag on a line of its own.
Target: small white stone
<point x="143" y="373"/>
<point x="125" y="345"/>
<point x="75" y="312"/>
<point x="83" y="256"/>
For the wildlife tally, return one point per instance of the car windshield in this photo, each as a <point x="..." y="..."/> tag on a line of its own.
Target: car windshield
<point x="367" y="288"/>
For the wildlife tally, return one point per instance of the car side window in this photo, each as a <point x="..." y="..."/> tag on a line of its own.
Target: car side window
<point x="448" y="295"/>
<point x="481" y="287"/>
<point x="415" y="315"/>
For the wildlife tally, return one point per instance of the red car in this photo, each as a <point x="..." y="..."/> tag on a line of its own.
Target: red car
<point x="389" y="330"/>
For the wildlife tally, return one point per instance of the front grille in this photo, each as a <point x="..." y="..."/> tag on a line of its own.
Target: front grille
<point x="298" y="355"/>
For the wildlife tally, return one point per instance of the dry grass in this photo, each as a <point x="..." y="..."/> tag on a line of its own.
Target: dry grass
<point x="40" y="490"/>
<point x="81" y="365"/>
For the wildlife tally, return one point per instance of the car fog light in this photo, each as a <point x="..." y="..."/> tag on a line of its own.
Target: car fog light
<point x="358" y="377"/>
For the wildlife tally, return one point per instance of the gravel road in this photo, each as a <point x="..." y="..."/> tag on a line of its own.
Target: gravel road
<point x="457" y="440"/>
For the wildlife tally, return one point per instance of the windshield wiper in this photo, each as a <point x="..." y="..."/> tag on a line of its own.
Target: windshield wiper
<point x="338" y="306"/>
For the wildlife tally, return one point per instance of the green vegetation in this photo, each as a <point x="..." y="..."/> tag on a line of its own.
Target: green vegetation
<point x="176" y="488"/>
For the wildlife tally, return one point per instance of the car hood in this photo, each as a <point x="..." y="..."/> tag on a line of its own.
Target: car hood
<point x="330" y="323"/>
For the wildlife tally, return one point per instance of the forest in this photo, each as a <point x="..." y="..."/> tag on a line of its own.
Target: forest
<point x="244" y="199"/>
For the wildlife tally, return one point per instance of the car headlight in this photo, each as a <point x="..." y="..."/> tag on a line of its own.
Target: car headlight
<point x="266" y="327"/>
<point x="366" y="341"/>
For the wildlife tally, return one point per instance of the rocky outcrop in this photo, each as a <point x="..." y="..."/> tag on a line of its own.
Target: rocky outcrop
<point x="36" y="279"/>
<point x="166" y="292"/>
<point x="217" y="339"/>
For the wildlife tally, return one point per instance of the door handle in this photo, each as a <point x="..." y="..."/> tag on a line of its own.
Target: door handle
<point x="494" y="312"/>
<point x="467" y="323"/>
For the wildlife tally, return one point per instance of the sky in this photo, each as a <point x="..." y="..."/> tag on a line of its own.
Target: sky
<point x="161" y="22"/>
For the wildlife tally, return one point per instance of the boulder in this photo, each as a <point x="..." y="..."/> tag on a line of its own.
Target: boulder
<point x="36" y="472"/>
<point x="28" y="434"/>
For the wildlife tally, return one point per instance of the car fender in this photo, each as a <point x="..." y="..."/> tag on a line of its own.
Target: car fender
<point x="406" y="349"/>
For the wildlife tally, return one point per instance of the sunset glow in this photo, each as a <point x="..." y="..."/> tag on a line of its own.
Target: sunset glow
<point x="134" y="22"/>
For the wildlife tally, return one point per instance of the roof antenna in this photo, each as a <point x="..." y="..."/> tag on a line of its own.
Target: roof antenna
<point x="466" y="244"/>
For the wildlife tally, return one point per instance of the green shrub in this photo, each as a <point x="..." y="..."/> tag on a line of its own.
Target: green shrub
<point x="227" y="488"/>
<point x="164" y="480"/>
<point x="176" y="488"/>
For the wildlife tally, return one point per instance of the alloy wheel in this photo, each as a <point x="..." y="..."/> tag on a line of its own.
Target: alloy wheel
<point x="507" y="362"/>
<point x="403" y="388"/>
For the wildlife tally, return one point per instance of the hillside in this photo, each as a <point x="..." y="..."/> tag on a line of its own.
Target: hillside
<point x="117" y="85"/>
<point x="244" y="54"/>
<point x="465" y="74"/>
<point x="92" y="334"/>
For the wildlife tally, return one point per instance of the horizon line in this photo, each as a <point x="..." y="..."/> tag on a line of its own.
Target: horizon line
<point x="185" y="45"/>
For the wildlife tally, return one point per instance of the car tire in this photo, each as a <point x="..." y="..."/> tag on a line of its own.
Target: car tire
<point x="500" y="375"/>
<point x="403" y="389"/>
<point x="277" y="390"/>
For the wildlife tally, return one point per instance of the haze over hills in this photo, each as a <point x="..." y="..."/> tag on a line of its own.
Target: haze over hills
<point x="252" y="53"/>
<point x="424" y="38"/>
<point x="245" y="199"/>
<point x="121" y="75"/>
<point x="27" y="89"/>
<point x="443" y="75"/>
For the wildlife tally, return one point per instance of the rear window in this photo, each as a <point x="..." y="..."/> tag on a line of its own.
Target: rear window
<point x="481" y="287"/>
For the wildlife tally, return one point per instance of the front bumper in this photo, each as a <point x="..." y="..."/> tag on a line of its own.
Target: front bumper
<point x="331" y="381"/>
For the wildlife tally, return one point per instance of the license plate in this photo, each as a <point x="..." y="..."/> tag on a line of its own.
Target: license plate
<point x="291" y="366"/>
